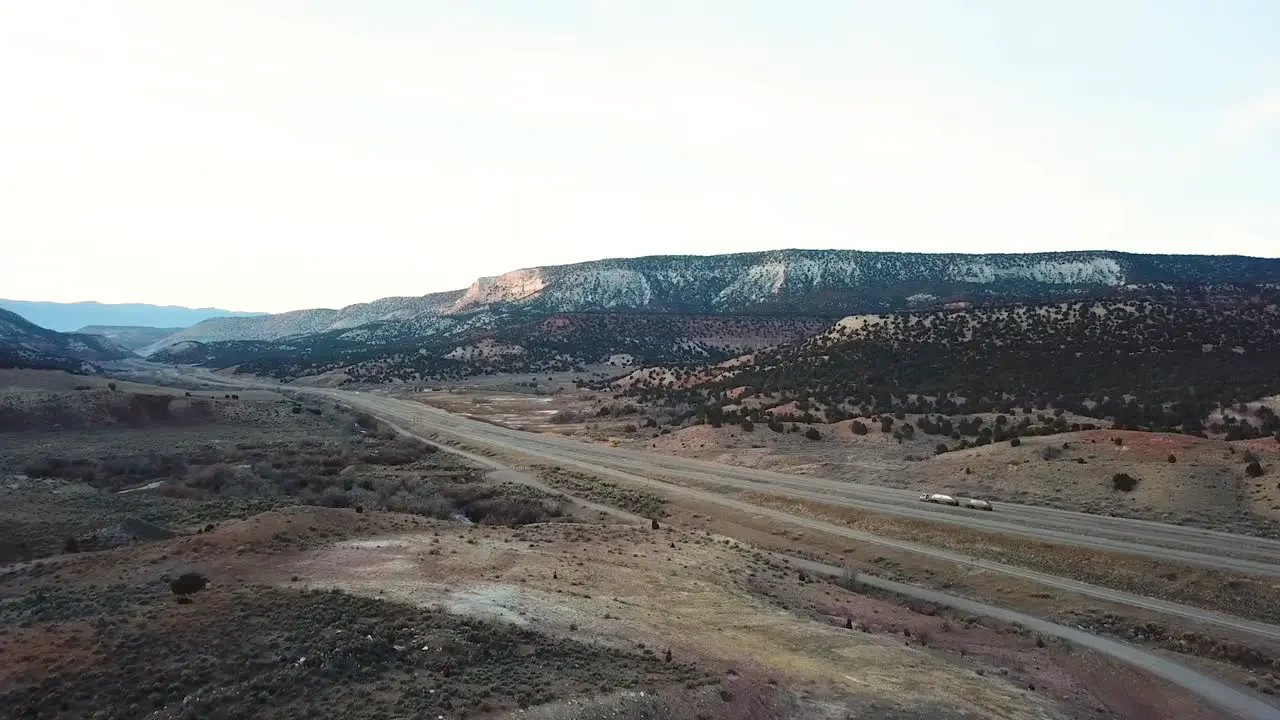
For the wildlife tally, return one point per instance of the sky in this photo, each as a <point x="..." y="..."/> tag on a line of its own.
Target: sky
<point x="272" y="155"/>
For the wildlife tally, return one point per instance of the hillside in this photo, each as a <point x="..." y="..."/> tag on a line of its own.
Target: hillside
<point x="26" y="345"/>
<point x="488" y="343"/>
<point x="839" y="281"/>
<point x="133" y="337"/>
<point x="812" y="282"/>
<point x="410" y="312"/>
<point x="67" y="317"/>
<point x="1139" y="363"/>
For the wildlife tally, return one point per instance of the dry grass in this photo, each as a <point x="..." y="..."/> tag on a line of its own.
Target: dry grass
<point x="257" y="651"/>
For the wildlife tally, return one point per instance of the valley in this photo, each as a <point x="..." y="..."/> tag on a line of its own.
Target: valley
<point x="350" y="560"/>
<point x="692" y="486"/>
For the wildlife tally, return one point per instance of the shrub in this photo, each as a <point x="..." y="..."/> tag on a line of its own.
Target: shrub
<point x="942" y="447"/>
<point x="1253" y="469"/>
<point x="188" y="583"/>
<point x="813" y="434"/>
<point x="747" y="425"/>
<point x="1123" y="482"/>
<point x="1050" y="452"/>
<point x="1015" y="441"/>
<point x="561" y="417"/>
<point x="858" y="427"/>
<point x="849" y="579"/>
<point x="71" y="545"/>
<point x="1173" y="458"/>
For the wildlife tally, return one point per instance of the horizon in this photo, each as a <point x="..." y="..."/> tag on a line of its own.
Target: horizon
<point x="635" y="258"/>
<point x="343" y="154"/>
<point x="463" y="288"/>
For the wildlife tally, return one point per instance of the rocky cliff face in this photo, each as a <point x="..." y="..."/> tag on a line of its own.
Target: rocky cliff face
<point x="832" y="282"/>
<point x="836" y="281"/>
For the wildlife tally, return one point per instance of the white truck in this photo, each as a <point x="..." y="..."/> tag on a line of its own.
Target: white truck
<point x="940" y="499"/>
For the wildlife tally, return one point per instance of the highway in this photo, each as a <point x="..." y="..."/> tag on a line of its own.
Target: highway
<point x="412" y="418"/>
<point x="1159" y="541"/>
<point x="609" y="462"/>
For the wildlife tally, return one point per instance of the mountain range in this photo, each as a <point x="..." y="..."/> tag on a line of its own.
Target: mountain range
<point x="826" y="282"/>
<point x="77" y="316"/>
<point x="648" y="310"/>
<point x="506" y="322"/>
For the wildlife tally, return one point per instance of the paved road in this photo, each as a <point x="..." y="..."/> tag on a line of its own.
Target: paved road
<point x="1160" y="541"/>
<point x="410" y="415"/>
<point x="1239" y="703"/>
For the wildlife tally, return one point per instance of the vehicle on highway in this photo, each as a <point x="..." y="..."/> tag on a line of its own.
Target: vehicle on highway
<point x="940" y="499"/>
<point x="974" y="504"/>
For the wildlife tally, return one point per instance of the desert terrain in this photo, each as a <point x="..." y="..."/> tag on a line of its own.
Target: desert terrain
<point x="346" y="568"/>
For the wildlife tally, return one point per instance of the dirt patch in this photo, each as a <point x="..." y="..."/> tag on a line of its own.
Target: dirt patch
<point x="703" y="597"/>
<point x="748" y="624"/>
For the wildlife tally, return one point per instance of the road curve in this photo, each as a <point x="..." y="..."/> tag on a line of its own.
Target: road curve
<point x="1238" y="703"/>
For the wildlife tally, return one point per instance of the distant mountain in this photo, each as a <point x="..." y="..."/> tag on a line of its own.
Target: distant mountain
<point x="534" y="344"/>
<point x="132" y="337"/>
<point x="26" y="345"/>
<point x="67" y="317"/>
<point x="406" y="311"/>
<point x="422" y="333"/>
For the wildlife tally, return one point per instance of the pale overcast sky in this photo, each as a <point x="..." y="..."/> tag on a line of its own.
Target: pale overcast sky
<point x="280" y="154"/>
